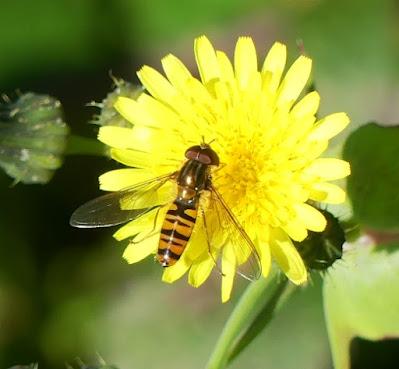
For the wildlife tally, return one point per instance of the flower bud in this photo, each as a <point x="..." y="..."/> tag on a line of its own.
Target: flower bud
<point x="108" y="115"/>
<point x="320" y="249"/>
<point x="32" y="137"/>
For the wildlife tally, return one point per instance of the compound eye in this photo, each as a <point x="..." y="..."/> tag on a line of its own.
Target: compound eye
<point x="211" y="157"/>
<point x="193" y="152"/>
<point x="204" y="159"/>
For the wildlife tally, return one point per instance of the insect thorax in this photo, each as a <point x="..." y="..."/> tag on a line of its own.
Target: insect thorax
<point x="193" y="176"/>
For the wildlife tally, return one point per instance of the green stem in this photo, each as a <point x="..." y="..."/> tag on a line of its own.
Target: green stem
<point x="273" y="305"/>
<point x="78" y="145"/>
<point x="253" y="312"/>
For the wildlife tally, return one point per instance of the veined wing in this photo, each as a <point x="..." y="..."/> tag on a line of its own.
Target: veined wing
<point x="125" y="205"/>
<point x="223" y="227"/>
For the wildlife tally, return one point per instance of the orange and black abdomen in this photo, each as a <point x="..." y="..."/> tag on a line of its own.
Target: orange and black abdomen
<point x="176" y="231"/>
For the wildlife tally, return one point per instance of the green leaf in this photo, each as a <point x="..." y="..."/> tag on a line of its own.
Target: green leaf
<point x="360" y="297"/>
<point x="373" y="153"/>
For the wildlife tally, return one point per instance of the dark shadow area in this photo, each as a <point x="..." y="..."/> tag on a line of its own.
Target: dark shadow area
<point x="380" y="354"/>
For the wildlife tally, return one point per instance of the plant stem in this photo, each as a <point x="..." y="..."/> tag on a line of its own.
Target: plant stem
<point x="253" y="312"/>
<point x="78" y="145"/>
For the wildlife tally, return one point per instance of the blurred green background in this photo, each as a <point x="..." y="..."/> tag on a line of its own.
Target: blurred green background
<point x="66" y="292"/>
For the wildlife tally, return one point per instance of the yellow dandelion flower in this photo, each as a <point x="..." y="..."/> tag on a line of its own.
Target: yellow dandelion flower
<point x="268" y="144"/>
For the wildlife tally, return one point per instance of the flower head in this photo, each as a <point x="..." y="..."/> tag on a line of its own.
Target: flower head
<point x="268" y="144"/>
<point x="33" y="137"/>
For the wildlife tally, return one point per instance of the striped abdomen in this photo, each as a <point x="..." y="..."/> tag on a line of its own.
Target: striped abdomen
<point x="176" y="231"/>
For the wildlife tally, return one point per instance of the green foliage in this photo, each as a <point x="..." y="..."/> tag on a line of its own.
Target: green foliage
<point x="32" y="137"/>
<point x="360" y="297"/>
<point x="46" y="43"/>
<point x="81" y="365"/>
<point x="46" y="36"/>
<point x="373" y="153"/>
<point x="31" y="366"/>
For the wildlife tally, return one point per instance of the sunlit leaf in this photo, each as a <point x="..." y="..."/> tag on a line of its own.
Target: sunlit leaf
<point x="361" y="297"/>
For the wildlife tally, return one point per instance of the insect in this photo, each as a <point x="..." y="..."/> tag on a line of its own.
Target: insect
<point x="192" y="182"/>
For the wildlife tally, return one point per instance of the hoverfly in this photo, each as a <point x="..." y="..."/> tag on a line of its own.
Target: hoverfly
<point x="191" y="182"/>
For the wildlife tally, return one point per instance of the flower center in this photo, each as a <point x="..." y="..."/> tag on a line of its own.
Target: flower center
<point x="238" y="177"/>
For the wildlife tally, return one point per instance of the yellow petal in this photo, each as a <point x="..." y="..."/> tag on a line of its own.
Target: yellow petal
<point x="161" y="113"/>
<point x="308" y="151"/>
<point x="176" y="71"/>
<point x="198" y="243"/>
<point x="119" y="179"/>
<point x="172" y="112"/>
<point x="201" y="95"/>
<point x="156" y="84"/>
<point x="311" y="217"/>
<point x="133" y="158"/>
<point x="118" y="137"/>
<point x="175" y="272"/>
<point x="307" y="106"/>
<point x="273" y="65"/>
<point x="138" y="138"/>
<point x="225" y="67"/>
<point x="135" y="252"/>
<point x="144" y="224"/>
<point x="148" y="198"/>
<point x="265" y="258"/>
<point x="134" y="112"/>
<point x="294" y="81"/>
<point x="228" y="270"/>
<point x="206" y="59"/>
<point x="200" y="271"/>
<point x="218" y="235"/>
<point x="245" y="61"/>
<point x="329" y="126"/>
<point x="287" y="256"/>
<point x="327" y="192"/>
<point x="296" y="229"/>
<point x="328" y="169"/>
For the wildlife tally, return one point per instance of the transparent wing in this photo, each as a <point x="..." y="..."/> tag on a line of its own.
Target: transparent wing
<point x="223" y="228"/>
<point x="122" y="206"/>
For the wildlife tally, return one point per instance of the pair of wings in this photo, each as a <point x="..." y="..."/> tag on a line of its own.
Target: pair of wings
<point x="218" y="220"/>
